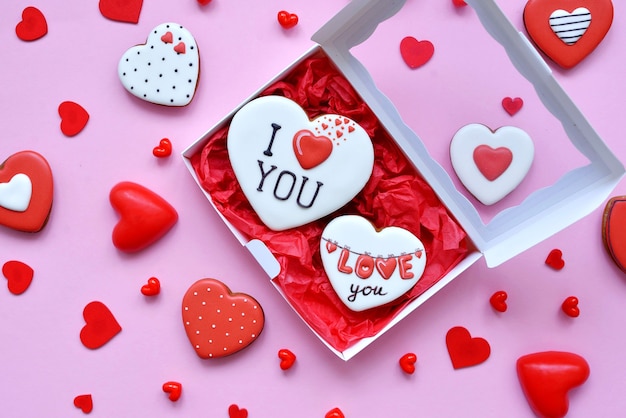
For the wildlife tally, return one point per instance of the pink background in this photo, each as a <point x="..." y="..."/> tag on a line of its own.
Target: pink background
<point x="43" y="365"/>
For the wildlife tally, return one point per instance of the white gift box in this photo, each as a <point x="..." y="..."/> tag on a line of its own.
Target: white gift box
<point x="541" y="214"/>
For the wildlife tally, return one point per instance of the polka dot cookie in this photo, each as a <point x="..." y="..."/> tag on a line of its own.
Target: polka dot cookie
<point x="218" y="322"/>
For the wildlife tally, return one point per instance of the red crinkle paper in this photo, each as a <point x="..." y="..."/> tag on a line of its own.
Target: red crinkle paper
<point x="395" y="195"/>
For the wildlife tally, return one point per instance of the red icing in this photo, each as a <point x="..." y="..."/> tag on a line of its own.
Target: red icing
<point x="100" y="325"/>
<point x="180" y="48"/>
<point x="407" y="363"/>
<point x="121" y="11"/>
<point x="84" y="403"/>
<point x="465" y="350"/>
<point x="386" y="266"/>
<point x="492" y="162"/>
<point x="311" y="150"/>
<point x="168" y="38"/>
<point x="416" y="53"/>
<point x="73" y="118"/>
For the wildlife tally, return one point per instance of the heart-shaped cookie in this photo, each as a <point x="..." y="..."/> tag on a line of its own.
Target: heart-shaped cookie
<point x="293" y="170"/>
<point x="165" y="70"/>
<point x="26" y="191"/>
<point x="369" y="268"/>
<point x="491" y="164"/>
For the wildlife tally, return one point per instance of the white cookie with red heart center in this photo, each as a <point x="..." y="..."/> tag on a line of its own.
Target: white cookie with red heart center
<point x="165" y="70"/>
<point x="369" y="268"/>
<point x="491" y="164"/>
<point x="294" y="170"/>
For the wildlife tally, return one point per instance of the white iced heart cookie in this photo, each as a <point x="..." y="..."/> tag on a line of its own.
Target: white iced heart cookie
<point x="293" y="170"/>
<point x="491" y="164"/>
<point x="15" y="195"/>
<point x="369" y="268"/>
<point x="165" y="70"/>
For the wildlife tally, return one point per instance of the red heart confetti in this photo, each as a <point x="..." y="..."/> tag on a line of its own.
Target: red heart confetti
<point x="416" y="53"/>
<point x="121" y="11"/>
<point x="19" y="276"/>
<point x="407" y="363"/>
<point x="287" y="20"/>
<point x="73" y="118"/>
<point x="287" y="358"/>
<point x="100" y="325"/>
<point x="555" y="259"/>
<point x="546" y="379"/>
<point x="235" y="412"/>
<point x="204" y="2"/>
<point x="152" y="288"/>
<point x="32" y="26"/>
<point x="512" y="105"/>
<point x="164" y="149"/>
<point x="498" y="301"/>
<point x="459" y="3"/>
<point x="173" y="389"/>
<point x="334" y="413"/>
<point x="84" y="403"/>
<point x="465" y="350"/>
<point x="570" y="306"/>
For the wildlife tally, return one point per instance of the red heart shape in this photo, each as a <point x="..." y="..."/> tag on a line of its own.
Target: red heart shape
<point x="512" y="105"/>
<point x="407" y="363"/>
<point x="459" y="3"/>
<point x="555" y="259"/>
<point x="19" y="276"/>
<point x="311" y="150"/>
<point x="570" y="306"/>
<point x="492" y="162"/>
<point x="235" y="412"/>
<point x="334" y="413"/>
<point x="84" y="403"/>
<point x="144" y="216"/>
<point x="416" y="53"/>
<point x="465" y="350"/>
<point x="174" y="389"/>
<point x="36" y="168"/>
<point x="73" y="118"/>
<point x="287" y="358"/>
<point x="121" y="10"/>
<point x="287" y="20"/>
<point x="498" y="301"/>
<point x="180" y="48"/>
<point x="204" y="2"/>
<point x="100" y="325"/>
<point x="152" y="288"/>
<point x="547" y="377"/>
<point x="164" y="149"/>
<point x="32" y="26"/>
<point x="613" y="227"/>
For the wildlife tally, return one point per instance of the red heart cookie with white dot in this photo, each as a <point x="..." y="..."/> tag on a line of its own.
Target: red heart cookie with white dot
<point x="218" y="322"/>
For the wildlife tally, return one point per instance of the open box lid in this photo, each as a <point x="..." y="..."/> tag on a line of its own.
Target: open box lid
<point x="543" y="213"/>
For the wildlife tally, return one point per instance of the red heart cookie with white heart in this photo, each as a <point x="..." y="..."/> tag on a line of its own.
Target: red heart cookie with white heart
<point x="294" y="170"/>
<point x="165" y="70"/>
<point x="567" y="31"/>
<point x="218" y="322"/>
<point x="491" y="164"/>
<point x="26" y="191"/>
<point x="368" y="267"/>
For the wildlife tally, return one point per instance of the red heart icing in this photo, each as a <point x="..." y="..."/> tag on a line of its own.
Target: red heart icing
<point x="32" y="26"/>
<point x="613" y="227"/>
<point x="218" y="322"/>
<point x="492" y="162"/>
<point x="152" y="288"/>
<point x="416" y="53"/>
<point x="180" y="48"/>
<point x="555" y="259"/>
<point x="144" y="216"/>
<point x="100" y="325"/>
<point x="121" y="10"/>
<point x="173" y="389"/>
<point x="465" y="350"/>
<point x="386" y="266"/>
<point x="164" y="149"/>
<point x="512" y="105"/>
<point x="287" y="358"/>
<point x="407" y="363"/>
<point x="334" y="413"/>
<point x="35" y="166"/>
<point x="168" y="38"/>
<point x="547" y="377"/>
<point x="311" y="150"/>
<point x="498" y="301"/>
<point x="19" y="276"/>
<point x="570" y="306"/>
<point x="73" y="118"/>
<point x="84" y="403"/>
<point x="235" y="412"/>
<point x="287" y="20"/>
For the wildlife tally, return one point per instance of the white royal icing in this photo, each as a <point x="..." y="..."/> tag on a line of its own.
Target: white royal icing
<point x="491" y="185"/>
<point x="293" y="170"/>
<point x="164" y="70"/>
<point x="570" y="27"/>
<point x="15" y="195"/>
<point x="369" y="268"/>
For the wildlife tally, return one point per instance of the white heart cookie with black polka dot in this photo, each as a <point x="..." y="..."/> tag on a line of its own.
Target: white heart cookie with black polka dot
<point x="165" y="70"/>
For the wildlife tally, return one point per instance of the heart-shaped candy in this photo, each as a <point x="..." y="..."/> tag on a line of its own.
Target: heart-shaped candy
<point x="512" y="105"/>
<point x="162" y="71"/>
<point x="293" y="170"/>
<point x="465" y="350"/>
<point x="416" y="53"/>
<point x="121" y="10"/>
<point x="32" y="26"/>
<point x="334" y="413"/>
<point x="369" y="268"/>
<point x="218" y="322"/>
<point x="173" y="389"/>
<point x="287" y="20"/>
<point x="152" y="288"/>
<point x="19" y="276"/>
<point x="491" y="164"/>
<point x="164" y="149"/>
<point x="498" y="301"/>
<point x="407" y="363"/>
<point x="287" y="358"/>
<point x="84" y="403"/>
<point x="144" y="216"/>
<point x="235" y="412"/>
<point x="570" y="306"/>
<point x="459" y="3"/>
<point x="555" y="259"/>
<point x="100" y="325"/>
<point x="546" y="379"/>
<point x="613" y="227"/>
<point x="73" y="118"/>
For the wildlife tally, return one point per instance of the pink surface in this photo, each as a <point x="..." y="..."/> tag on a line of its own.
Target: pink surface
<point x="44" y="365"/>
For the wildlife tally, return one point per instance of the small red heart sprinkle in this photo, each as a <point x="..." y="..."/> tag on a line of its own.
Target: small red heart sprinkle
<point x="32" y="26"/>
<point x="19" y="276"/>
<point x="164" y="149"/>
<point x="84" y="403"/>
<point x="167" y="37"/>
<point x="235" y="412"/>
<point x="407" y="363"/>
<point x="287" y="358"/>
<point x="152" y="288"/>
<point x="416" y="53"/>
<point x="459" y="3"/>
<point x="180" y="48"/>
<point x="73" y="118"/>
<point x="498" y="301"/>
<point x="555" y="259"/>
<point x="287" y="20"/>
<point x="512" y="105"/>
<point x="570" y="306"/>
<point x="174" y="389"/>
<point x="100" y="325"/>
<point x="334" y="413"/>
<point x="465" y="350"/>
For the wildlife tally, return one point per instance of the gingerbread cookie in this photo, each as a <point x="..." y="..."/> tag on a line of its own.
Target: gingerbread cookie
<point x="613" y="227"/>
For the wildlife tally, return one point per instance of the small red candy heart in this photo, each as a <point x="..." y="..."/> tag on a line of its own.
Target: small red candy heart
<point x="19" y="276"/>
<point x="152" y="288"/>
<point x="334" y="413"/>
<point x="512" y="105"/>
<point x="204" y="2"/>
<point x="73" y="118"/>
<point x="547" y="377"/>
<point x="32" y="26"/>
<point x="459" y="3"/>
<point x="555" y="259"/>
<point x="100" y="325"/>
<point x="287" y="358"/>
<point x="164" y="149"/>
<point x="407" y="363"/>
<point x="121" y="11"/>
<point x="570" y="306"/>
<point x="498" y="301"/>
<point x="287" y="20"/>
<point x="144" y="216"/>
<point x="84" y="403"/>
<point x="465" y="350"/>
<point x="235" y="412"/>
<point x="174" y="389"/>
<point x="416" y="53"/>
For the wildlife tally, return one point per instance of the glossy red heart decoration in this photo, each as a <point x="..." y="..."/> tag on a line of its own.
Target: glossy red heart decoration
<point x="334" y="413"/>
<point x="100" y="325"/>
<point x="164" y="149"/>
<point x="465" y="350"/>
<point x="498" y="301"/>
<point x="287" y="20"/>
<point x="173" y="389"/>
<point x="152" y="288"/>
<point x="555" y="259"/>
<point x="121" y="10"/>
<point x="73" y="118"/>
<point x="546" y="379"/>
<point x="459" y="3"/>
<point x="235" y="412"/>
<point x="287" y="358"/>
<point x="19" y="276"/>
<point x="570" y="306"/>
<point x="416" y="53"/>
<point x="144" y="216"/>
<point x="32" y="26"/>
<point x="84" y="403"/>
<point x="407" y="363"/>
<point x="613" y="227"/>
<point x="512" y="105"/>
<point x="311" y="150"/>
<point x="492" y="162"/>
